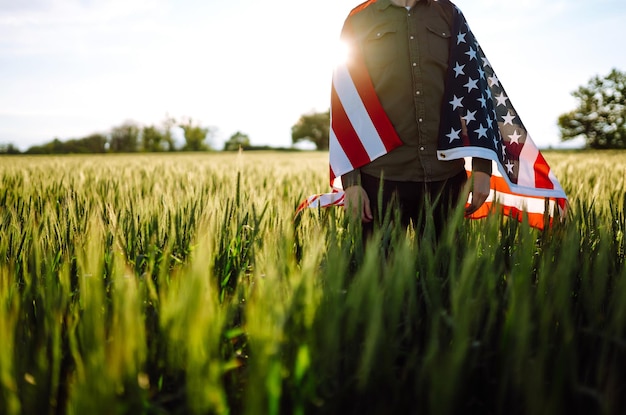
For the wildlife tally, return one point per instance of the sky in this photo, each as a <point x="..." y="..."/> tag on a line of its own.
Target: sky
<point x="70" y="68"/>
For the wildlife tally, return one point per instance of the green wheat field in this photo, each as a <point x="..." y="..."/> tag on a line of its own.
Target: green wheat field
<point x="185" y="284"/>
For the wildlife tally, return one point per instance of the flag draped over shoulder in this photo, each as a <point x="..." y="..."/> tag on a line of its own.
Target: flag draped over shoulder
<point x="477" y="119"/>
<point x="360" y="131"/>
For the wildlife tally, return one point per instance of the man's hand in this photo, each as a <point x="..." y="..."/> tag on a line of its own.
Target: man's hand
<point x="480" y="191"/>
<point x="357" y="204"/>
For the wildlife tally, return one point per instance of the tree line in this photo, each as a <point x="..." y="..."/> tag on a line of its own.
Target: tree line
<point x="130" y="137"/>
<point x="600" y="119"/>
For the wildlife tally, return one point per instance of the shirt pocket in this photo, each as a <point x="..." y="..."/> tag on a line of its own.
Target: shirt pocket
<point x="380" y="47"/>
<point x="439" y="43"/>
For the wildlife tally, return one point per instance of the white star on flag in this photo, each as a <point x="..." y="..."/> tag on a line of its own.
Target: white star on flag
<point x="454" y="135"/>
<point x="458" y="69"/>
<point x="471" y="53"/>
<point x="471" y="84"/>
<point x="508" y="118"/>
<point x="494" y="81"/>
<point x="509" y="166"/>
<point x="481" y="73"/>
<point x="515" y="137"/>
<point x="456" y="102"/>
<point x="470" y="116"/>
<point x="482" y="132"/>
<point x="502" y="99"/>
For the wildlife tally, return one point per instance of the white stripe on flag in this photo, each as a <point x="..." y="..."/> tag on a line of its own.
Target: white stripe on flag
<point x="525" y="203"/>
<point x="339" y="161"/>
<point x="337" y="184"/>
<point x="495" y="171"/>
<point x="527" y="159"/>
<point x="555" y="181"/>
<point x="326" y="200"/>
<point x="357" y="113"/>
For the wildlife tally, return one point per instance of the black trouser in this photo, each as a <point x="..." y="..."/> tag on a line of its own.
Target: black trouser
<point x="413" y="200"/>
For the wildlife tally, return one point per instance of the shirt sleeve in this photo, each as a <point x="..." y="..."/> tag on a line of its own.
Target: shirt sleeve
<point x="479" y="164"/>
<point x="352" y="178"/>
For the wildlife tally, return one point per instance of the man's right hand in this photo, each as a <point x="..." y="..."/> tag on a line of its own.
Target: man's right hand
<point x="357" y="204"/>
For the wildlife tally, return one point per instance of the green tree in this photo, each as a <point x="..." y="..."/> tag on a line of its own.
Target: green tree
<point x="94" y="143"/>
<point x="152" y="139"/>
<point x="314" y="127"/>
<point x="9" y="148"/>
<point x="237" y="141"/>
<point x="195" y="136"/>
<point x="601" y="114"/>
<point x="125" y="138"/>
<point x="55" y="146"/>
<point x="168" y="138"/>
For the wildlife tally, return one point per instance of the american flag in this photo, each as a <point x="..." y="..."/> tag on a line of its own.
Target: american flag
<point x="360" y="131"/>
<point x="479" y="121"/>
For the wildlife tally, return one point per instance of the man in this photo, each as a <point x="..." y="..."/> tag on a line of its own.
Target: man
<point x="416" y="98"/>
<point x="405" y="46"/>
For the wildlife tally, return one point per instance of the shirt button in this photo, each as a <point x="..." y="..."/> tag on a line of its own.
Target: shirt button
<point x="412" y="37"/>
<point x="422" y="148"/>
<point x="418" y="93"/>
<point x="420" y="120"/>
<point x="414" y="64"/>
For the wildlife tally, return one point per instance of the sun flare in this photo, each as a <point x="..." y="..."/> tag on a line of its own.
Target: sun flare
<point x="339" y="54"/>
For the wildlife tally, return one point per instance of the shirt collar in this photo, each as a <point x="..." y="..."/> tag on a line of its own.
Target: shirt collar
<point x="383" y="4"/>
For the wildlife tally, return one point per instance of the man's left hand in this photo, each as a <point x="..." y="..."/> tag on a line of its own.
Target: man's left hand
<point x="480" y="191"/>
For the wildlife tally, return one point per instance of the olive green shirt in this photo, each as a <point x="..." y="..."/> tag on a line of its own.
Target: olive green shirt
<point x="406" y="54"/>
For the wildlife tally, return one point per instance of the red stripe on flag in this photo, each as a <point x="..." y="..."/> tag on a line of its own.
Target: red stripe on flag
<point x="365" y="88"/>
<point x="535" y="220"/>
<point x="542" y="171"/>
<point x="361" y="6"/>
<point x="500" y="185"/>
<point x="346" y="136"/>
